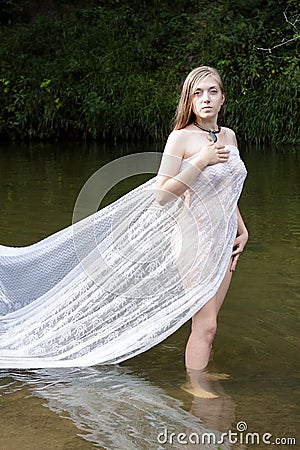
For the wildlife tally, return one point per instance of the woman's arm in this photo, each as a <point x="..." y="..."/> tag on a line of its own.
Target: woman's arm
<point x="169" y="181"/>
<point x="240" y="241"/>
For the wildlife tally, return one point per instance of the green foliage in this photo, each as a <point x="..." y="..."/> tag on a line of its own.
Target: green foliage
<point x="114" y="70"/>
<point x="11" y="11"/>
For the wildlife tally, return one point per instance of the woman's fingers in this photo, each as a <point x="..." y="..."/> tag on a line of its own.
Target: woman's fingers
<point x="214" y="153"/>
<point x="235" y="254"/>
<point x="234" y="262"/>
<point x="238" y="247"/>
<point x="223" y="154"/>
<point x="237" y="250"/>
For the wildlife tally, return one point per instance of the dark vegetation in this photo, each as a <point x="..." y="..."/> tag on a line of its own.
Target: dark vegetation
<point x="114" y="69"/>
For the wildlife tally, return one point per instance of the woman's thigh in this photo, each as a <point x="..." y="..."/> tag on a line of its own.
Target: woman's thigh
<point x="224" y="286"/>
<point x="209" y="312"/>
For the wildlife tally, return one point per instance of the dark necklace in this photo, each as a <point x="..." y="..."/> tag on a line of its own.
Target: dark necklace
<point x="211" y="133"/>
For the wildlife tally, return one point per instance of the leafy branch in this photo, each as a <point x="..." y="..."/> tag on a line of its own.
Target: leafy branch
<point x="293" y="21"/>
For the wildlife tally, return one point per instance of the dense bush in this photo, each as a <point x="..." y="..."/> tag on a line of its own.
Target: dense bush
<point x="114" y="69"/>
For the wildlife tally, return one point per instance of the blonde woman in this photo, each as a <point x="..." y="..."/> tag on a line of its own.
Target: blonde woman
<point x="111" y="286"/>
<point x="198" y="137"/>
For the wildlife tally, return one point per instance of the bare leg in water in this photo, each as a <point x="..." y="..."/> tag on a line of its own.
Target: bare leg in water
<point x="198" y="348"/>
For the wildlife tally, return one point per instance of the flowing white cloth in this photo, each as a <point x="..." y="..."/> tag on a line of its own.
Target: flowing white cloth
<point x="122" y="280"/>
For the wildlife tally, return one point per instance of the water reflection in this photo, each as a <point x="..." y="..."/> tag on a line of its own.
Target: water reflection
<point x="258" y="336"/>
<point x="117" y="409"/>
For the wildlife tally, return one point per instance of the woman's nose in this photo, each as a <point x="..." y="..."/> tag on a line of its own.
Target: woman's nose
<point x="205" y="96"/>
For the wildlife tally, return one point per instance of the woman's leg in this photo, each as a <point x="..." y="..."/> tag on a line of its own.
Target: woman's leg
<point x="204" y="326"/>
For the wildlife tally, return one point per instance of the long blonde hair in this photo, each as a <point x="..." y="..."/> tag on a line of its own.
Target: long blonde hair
<point x="184" y="114"/>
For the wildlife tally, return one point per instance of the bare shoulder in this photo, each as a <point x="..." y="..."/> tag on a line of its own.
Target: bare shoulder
<point x="229" y="136"/>
<point x="172" y="157"/>
<point x="176" y="142"/>
<point x="177" y="135"/>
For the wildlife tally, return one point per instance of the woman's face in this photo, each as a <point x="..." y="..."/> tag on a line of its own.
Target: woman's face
<point x="207" y="99"/>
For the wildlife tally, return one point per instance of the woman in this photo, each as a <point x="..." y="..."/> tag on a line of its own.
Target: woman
<point x="122" y="280"/>
<point x="197" y="133"/>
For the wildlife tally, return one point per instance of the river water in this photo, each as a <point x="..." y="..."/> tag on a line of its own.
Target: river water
<point x="139" y="403"/>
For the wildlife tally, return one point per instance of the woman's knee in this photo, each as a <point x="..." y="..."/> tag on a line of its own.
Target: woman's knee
<point x="205" y="329"/>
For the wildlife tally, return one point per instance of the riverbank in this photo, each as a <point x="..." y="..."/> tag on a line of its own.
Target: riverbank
<point x="115" y="71"/>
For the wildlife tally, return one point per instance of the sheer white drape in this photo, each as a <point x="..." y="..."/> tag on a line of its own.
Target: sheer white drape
<point x="122" y="280"/>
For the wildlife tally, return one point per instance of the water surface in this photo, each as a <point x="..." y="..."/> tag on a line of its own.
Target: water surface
<point x="126" y="406"/>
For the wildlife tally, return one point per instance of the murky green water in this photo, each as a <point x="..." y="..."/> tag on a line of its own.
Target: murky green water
<point x="127" y="406"/>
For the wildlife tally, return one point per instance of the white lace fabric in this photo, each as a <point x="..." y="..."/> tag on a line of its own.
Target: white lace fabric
<point x="122" y="280"/>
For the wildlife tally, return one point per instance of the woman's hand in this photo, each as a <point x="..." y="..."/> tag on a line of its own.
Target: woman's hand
<point x="239" y="244"/>
<point x="213" y="154"/>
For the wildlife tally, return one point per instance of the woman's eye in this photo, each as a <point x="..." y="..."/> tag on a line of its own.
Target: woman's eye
<point x="198" y="93"/>
<point x="214" y="91"/>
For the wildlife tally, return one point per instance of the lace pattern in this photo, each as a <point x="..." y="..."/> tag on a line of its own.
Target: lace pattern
<point x="122" y="280"/>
